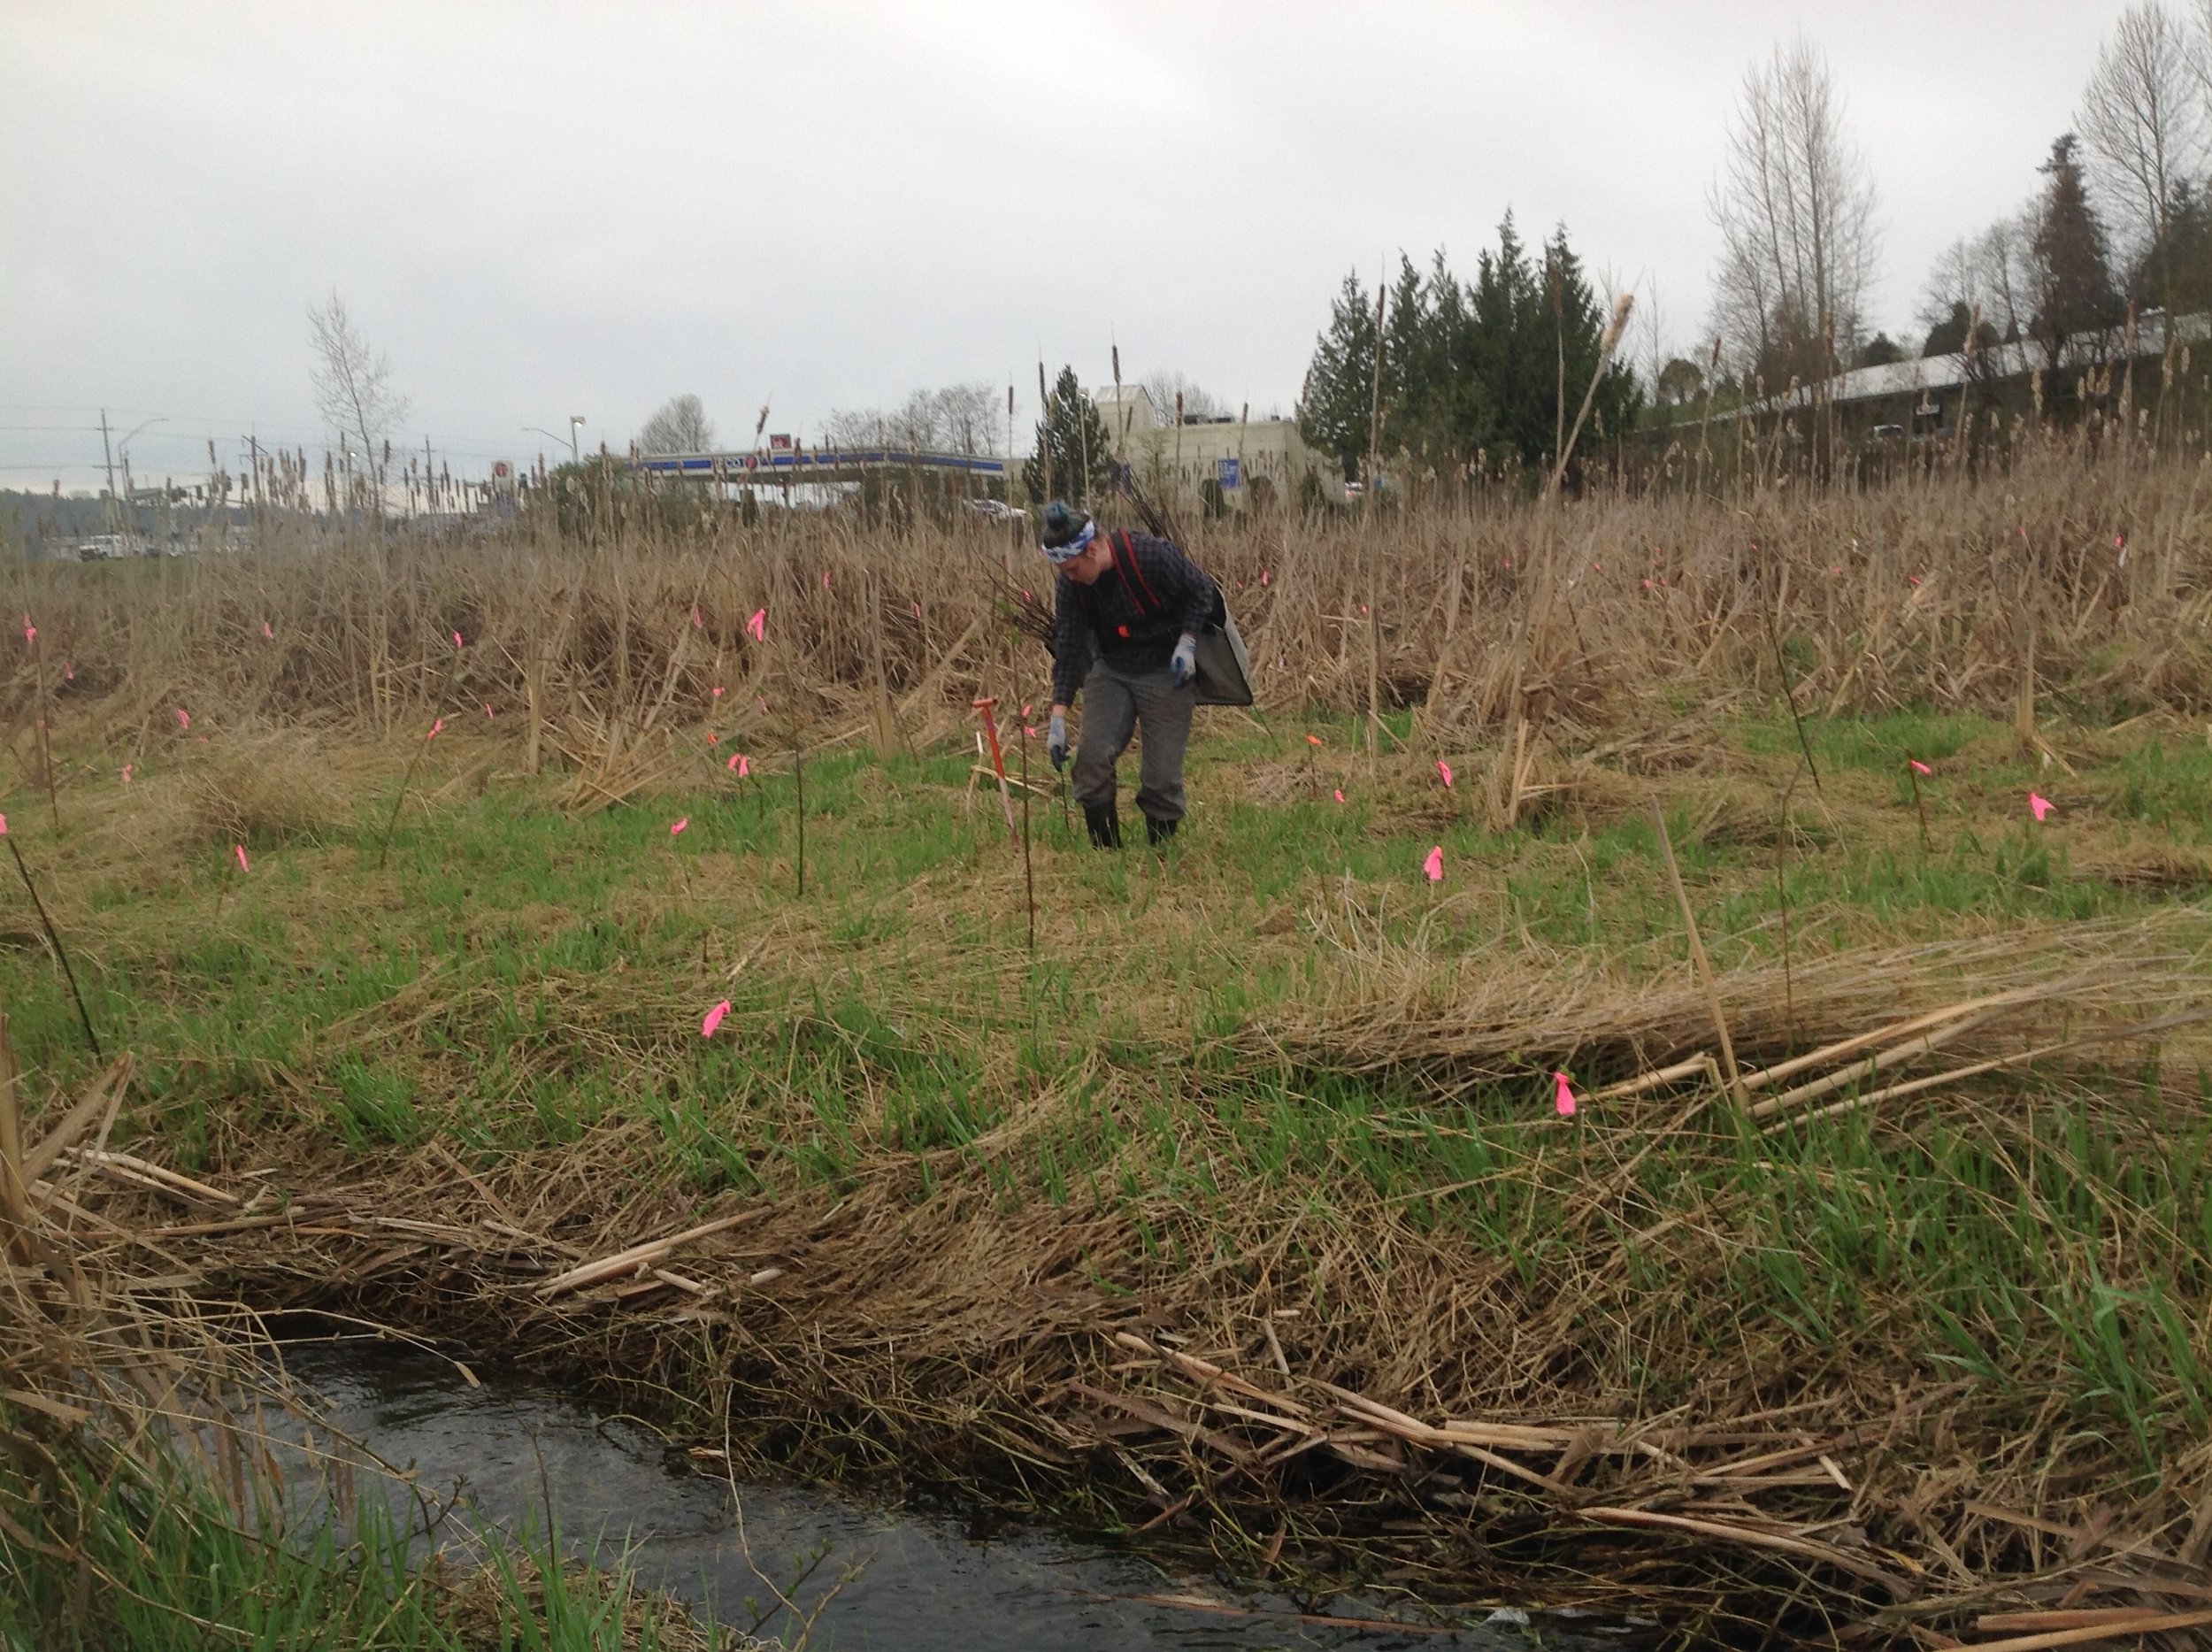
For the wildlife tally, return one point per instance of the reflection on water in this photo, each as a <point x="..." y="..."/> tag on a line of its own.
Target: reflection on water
<point x="931" y="1580"/>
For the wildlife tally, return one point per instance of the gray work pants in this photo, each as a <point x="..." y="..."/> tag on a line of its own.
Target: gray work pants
<point x="1114" y="702"/>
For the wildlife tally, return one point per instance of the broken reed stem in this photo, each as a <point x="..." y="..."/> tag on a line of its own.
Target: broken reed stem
<point x="798" y="782"/>
<point x="45" y="733"/>
<point x="391" y="821"/>
<point x="1029" y="878"/>
<point x="1607" y="344"/>
<point x="1912" y="778"/>
<point x="1697" y="957"/>
<point x="54" y="940"/>
<point x="15" y="1194"/>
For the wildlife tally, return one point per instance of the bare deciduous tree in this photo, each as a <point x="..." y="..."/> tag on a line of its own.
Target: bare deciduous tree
<point x="2142" y="119"/>
<point x="956" y="419"/>
<point x="1163" y="388"/>
<point x="353" y="391"/>
<point x="680" y="425"/>
<point x="1795" y="209"/>
<point x="969" y="418"/>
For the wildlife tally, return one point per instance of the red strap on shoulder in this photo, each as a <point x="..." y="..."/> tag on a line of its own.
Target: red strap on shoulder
<point x="1131" y="574"/>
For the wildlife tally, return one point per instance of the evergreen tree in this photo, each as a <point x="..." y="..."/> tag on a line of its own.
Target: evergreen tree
<point x="1948" y="337"/>
<point x="1467" y="369"/>
<point x="2073" y="266"/>
<point x="1074" y="456"/>
<point x="1332" y="414"/>
<point x="1512" y="354"/>
<point x="2188" y="254"/>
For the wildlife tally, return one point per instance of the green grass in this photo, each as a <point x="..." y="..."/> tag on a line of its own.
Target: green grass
<point x="165" y="1568"/>
<point x="519" y="977"/>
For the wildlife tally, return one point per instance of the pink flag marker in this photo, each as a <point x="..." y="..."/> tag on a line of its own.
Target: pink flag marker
<point x="4" y="825"/>
<point x="434" y="727"/>
<point x="1918" y="767"/>
<point x="487" y="709"/>
<point x="680" y="825"/>
<point x="127" y="767"/>
<point x="457" y="639"/>
<point x="239" y="849"/>
<point x="744" y="767"/>
<point x="184" y="718"/>
<point x="1435" y="864"/>
<point x="718" y="691"/>
<point x="1313" y="739"/>
<point x="30" y="631"/>
<point x="1340" y="797"/>
<point x="2040" y="805"/>
<point x="918" y="611"/>
<point x="265" y="631"/>
<point x="756" y="627"/>
<point x="1445" y="769"/>
<point x="68" y="672"/>
<point x="713" y="1019"/>
<point x="1562" y="1095"/>
<point x="826" y="579"/>
<point x="713" y="739"/>
<point x="697" y="624"/>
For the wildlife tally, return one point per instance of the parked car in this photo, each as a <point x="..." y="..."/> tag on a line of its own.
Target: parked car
<point x="998" y="511"/>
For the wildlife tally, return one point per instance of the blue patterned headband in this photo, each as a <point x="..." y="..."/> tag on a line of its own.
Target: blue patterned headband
<point x="1059" y="555"/>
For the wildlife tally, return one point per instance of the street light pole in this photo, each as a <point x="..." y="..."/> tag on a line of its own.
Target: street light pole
<point x="575" y="453"/>
<point x="125" y="518"/>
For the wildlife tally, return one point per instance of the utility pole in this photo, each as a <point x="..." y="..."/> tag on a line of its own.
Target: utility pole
<point x="109" y="451"/>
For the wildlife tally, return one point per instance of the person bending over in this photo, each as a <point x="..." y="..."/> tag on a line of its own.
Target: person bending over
<point x="1129" y="609"/>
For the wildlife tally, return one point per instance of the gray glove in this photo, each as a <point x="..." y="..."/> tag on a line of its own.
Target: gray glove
<point x="1182" y="665"/>
<point x="1056" y="741"/>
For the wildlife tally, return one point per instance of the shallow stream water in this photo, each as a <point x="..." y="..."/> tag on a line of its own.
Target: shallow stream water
<point x="933" y="1578"/>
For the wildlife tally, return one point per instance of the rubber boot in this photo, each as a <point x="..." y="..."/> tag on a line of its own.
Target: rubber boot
<point x="1158" y="832"/>
<point x="1104" y="826"/>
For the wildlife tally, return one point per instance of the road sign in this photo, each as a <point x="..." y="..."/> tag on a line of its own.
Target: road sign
<point x="1227" y="471"/>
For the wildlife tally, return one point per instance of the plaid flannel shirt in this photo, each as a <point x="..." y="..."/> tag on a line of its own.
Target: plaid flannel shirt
<point x="1109" y="618"/>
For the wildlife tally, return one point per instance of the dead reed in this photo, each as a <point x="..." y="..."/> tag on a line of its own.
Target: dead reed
<point x="2085" y="575"/>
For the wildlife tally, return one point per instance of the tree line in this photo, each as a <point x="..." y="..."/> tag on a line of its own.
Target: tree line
<point x="2117" y="222"/>
<point x="1485" y="371"/>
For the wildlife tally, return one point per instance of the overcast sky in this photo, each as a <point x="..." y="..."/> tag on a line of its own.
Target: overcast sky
<point x="539" y="210"/>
